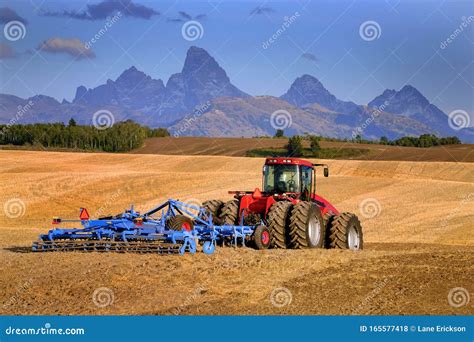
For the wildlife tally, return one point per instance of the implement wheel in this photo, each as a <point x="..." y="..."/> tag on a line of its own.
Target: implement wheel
<point x="208" y="247"/>
<point x="306" y="226"/>
<point x="261" y="237"/>
<point x="278" y="222"/>
<point x="345" y="232"/>
<point x="230" y="213"/>
<point x="180" y="222"/>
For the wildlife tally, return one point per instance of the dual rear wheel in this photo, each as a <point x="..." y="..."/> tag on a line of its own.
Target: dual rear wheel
<point x="344" y="232"/>
<point x="302" y="226"/>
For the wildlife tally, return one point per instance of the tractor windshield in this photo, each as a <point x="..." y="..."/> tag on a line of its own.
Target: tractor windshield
<point x="281" y="178"/>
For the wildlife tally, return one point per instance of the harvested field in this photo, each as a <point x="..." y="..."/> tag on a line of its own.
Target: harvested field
<point x="419" y="244"/>
<point x="239" y="147"/>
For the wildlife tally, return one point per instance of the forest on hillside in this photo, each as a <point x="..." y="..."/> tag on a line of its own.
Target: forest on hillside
<point x="121" y="137"/>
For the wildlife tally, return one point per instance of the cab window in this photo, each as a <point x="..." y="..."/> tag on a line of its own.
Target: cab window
<point x="306" y="181"/>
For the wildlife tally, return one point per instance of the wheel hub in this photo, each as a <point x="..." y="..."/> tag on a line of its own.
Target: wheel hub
<point x="353" y="239"/>
<point x="314" y="230"/>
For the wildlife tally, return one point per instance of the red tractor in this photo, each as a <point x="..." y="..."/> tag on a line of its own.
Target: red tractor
<point x="288" y="206"/>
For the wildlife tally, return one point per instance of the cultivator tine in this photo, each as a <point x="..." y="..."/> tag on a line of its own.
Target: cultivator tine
<point x="109" y="246"/>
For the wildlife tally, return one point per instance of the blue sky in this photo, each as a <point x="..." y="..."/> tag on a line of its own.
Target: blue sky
<point x="323" y="40"/>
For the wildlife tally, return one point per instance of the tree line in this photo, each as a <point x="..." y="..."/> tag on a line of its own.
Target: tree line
<point x="424" y="140"/>
<point x="295" y="143"/>
<point x="121" y="137"/>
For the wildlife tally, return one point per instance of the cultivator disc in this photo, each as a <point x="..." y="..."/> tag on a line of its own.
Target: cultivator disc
<point x="156" y="247"/>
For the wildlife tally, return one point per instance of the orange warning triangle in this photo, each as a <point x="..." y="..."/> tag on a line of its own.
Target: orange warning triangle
<point x="84" y="215"/>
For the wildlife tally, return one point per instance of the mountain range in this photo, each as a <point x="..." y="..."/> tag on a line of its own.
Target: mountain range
<point x="201" y="100"/>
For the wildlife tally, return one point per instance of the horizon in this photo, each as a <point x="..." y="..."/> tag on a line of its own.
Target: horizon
<point x="325" y="40"/>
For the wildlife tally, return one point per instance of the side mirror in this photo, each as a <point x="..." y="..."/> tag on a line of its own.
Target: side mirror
<point x="326" y="169"/>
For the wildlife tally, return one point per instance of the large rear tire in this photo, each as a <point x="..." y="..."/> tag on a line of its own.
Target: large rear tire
<point x="214" y="207"/>
<point x="230" y="213"/>
<point x="328" y="218"/>
<point x="346" y="232"/>
<point x="278" y="221"/>
<point x="306" y="226"/>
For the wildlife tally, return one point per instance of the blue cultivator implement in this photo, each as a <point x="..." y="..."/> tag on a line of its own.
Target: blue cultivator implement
<point x="171" y="228"/>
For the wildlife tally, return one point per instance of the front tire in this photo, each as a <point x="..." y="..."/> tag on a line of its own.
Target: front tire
<point x="346" y="232"/>
<point x="278" y="221"/>
<point x="306" y="226"/>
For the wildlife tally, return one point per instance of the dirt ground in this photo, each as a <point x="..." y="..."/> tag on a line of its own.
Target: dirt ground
<point x="239" y="147"/>
<point x="417" y="219"/>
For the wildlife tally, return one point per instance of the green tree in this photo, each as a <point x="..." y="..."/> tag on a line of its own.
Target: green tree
<point x="295" y="146"/>
<point x="384" y="140"/>
<point x="449" y="141"/>
<point x="279" y="133"/>
<point x="314" y="145"/>
<point x="72" y="122"/>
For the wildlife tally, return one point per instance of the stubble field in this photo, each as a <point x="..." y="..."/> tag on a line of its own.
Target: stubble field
<point x="419" y="244"/>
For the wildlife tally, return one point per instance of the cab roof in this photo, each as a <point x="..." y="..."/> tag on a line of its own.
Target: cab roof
<point x="287" y="161"/>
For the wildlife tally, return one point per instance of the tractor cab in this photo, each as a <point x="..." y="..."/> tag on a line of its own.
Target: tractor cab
<point x="290" y="176"/>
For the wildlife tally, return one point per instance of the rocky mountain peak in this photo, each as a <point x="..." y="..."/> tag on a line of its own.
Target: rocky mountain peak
<point x="131" y="76"/>
<point x="407" y="101"/>
<point x="307" y="90"/>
